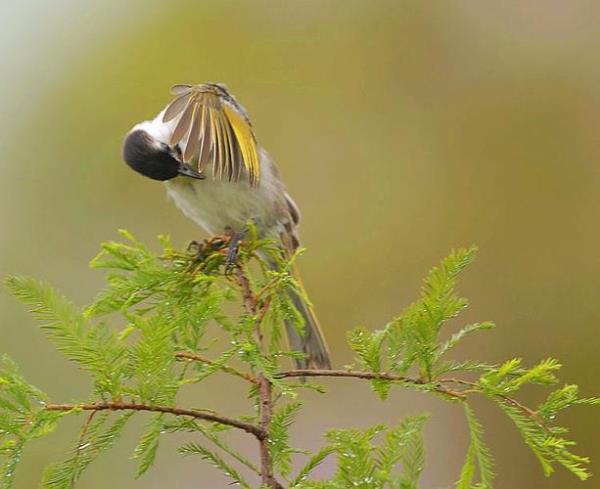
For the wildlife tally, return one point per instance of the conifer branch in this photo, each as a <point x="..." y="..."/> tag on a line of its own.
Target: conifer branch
<point x="226" y="368"/>
<point x="170" y="301"/>
<point x="475" y="388"/>
<point x="258" y="432"/>
<point x="438" y="386"/>
<point x="370" y="376"/>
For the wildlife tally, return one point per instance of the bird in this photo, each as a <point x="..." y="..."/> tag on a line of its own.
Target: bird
<point x="203" y="147"/>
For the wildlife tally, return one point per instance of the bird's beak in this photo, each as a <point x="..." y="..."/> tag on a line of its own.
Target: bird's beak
<point x="188" y="171"/>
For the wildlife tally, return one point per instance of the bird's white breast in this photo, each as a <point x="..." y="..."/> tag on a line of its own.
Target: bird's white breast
<point x="216" y="204"/>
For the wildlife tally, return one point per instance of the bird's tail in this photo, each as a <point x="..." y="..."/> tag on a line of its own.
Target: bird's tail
<point x="311" y="341"/>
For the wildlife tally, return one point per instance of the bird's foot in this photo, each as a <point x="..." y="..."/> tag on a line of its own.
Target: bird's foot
<point x="235" y="240"/>
<point x="195" y="247"/>
<point x="203" y="249"/>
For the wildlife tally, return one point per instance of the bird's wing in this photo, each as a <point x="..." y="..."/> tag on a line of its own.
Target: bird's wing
<point x="214" y="131"/>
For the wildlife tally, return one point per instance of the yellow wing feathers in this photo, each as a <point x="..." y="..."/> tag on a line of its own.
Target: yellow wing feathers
<point x="217" y="132"/>
<point x="246" y="141"/>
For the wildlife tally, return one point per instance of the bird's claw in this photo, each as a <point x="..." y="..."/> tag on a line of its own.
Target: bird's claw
<point x="235" y="240"/>
<point x="229" y="244"/>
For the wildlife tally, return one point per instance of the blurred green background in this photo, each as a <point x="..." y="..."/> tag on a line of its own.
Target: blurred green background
<point x="402" y="129"/>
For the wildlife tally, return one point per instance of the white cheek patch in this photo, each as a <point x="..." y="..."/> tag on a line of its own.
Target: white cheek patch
<point x="158" y="130"/>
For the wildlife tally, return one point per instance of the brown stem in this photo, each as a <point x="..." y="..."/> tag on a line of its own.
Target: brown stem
<point x="474" y="387"/>
<point x="226" y="368"/>
<point x="369" y="376"/>
<point x="247" y="295"/>
<point x="82" y="433"/>
<point x="462" y="395"/>
<point x="264" y="389"/>
<point x="266" y="413"/>
<point x="257" y="431"/>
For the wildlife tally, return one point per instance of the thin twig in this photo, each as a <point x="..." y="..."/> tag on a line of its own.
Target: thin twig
<point x="369" y="376"/>
<point x="266" y="287"/>
<point x="226" y="368"/>
<point x="264" y="308"/>
<point x="438" y="386"/>
<point x="527" y="411"/>
<point x="476" y="388"/>
<point x="258" y="432"/>
<point x="82" y="433"/>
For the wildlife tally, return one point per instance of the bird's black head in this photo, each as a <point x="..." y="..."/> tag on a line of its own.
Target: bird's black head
<point x="153" y="160"/>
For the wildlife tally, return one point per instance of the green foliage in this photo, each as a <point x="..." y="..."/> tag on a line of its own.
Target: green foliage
<point x="216" y="460"/>
<point x="404" y="444"/>
<point x="368" y="348"/>
<point x="159" y="326"/>
<point x="94" y="440"/>
<point x="364" y="464"/>
<point x="152" y="361"/>
<point x="357" y="467"/>
<point x="146" y="449"/>
<point x="478" y="457"/>
<point x="413" y="337"/>
<point x="561" y="399"/>
<point x="214" y="434"/>
<point x="457" y="337"/>
<point x="95" y="347"/>
<point x="279" y="437"/>
<point x="21" y="419"/>
<point x="546" y="443"/>
<point x="315" y="461"/>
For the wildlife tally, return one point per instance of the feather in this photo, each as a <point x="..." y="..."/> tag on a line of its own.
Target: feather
<point x="237" y="157"/>
<point x="193" y="141"/>
<point x="226" y="163"/>
<point x="176" y="107"/>
<point x="183" y="126"/>
<point x="232" y="164"/>
<point x="205" y="140"/>
<point x="181" y="88"/>
<point x="246" y="141"/>
<point x="218" y="144"/>
<point x="217" y="131"/>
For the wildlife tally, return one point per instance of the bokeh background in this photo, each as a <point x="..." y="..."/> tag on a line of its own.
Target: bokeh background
<point x="402" y="129"/>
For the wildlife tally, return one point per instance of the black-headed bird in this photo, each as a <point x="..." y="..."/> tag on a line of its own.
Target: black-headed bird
<point x="202" y="146"/>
